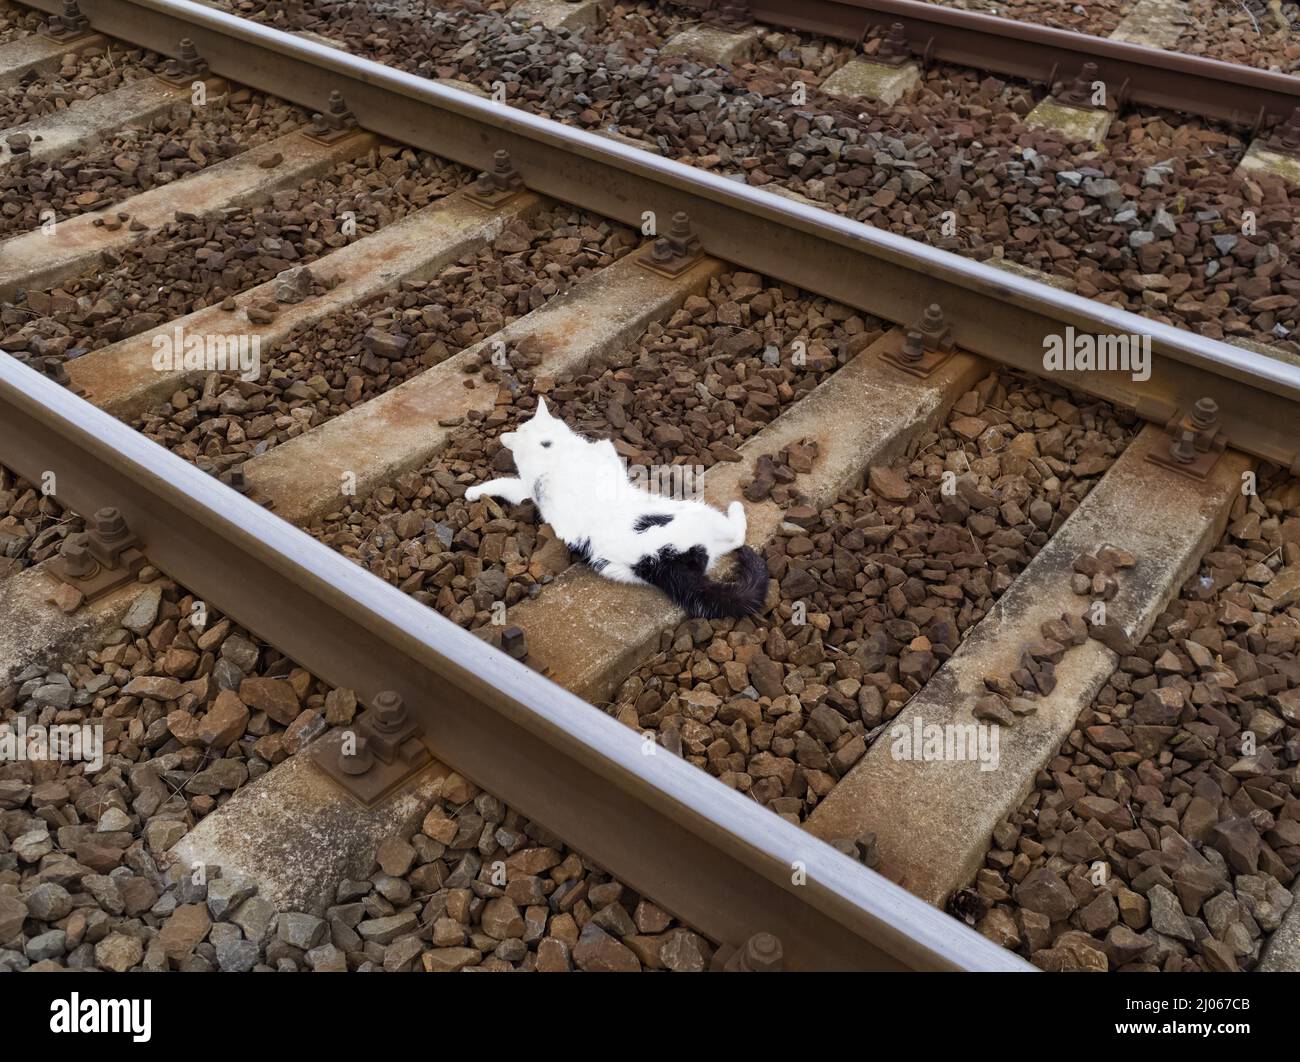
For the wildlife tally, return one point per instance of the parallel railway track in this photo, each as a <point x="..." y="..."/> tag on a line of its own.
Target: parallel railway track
<point x="526" y="739"/>
<point x="1045" y="55"/>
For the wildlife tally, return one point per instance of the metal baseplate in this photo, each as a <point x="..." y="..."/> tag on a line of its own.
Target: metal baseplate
<point x="68" y="27"/>
<point x="187" y="68"/>
<point x="672" y="255"/>
<point x="377" y="755"/>
<point x="335" y="123"/>
<point x="1196" y="441"/>
<point x="497" y="186"/>
<point x="99" y="560"/>
<point x="926" y="346"/>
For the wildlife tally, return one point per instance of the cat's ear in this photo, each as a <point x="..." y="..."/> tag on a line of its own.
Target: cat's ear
<point x="542" y="412"/>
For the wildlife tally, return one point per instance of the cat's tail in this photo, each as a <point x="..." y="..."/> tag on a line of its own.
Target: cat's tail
<point x="682" y="577"/>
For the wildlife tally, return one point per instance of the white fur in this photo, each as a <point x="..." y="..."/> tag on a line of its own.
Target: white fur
<point x="581" y="489"/>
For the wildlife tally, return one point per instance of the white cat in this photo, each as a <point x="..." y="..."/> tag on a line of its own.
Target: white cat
<point x="627" y="534"/>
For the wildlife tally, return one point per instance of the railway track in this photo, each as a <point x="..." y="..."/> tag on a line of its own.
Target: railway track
<point x="1098" y="198"/>
<point x="926" y="513"/>
<point x="1044" y="54"/>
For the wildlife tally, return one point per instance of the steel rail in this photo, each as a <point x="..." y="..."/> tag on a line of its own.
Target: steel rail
<point x="705" y="852"/>
<point x="1243" y="95"/>
<point x="994" y="313"/>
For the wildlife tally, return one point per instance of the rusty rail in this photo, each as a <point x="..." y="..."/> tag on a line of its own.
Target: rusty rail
<point x="1154" y="77"/>
<point x="705" y="852"/>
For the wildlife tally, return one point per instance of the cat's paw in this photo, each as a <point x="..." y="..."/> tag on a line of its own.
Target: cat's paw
<point x="474" y="494"/>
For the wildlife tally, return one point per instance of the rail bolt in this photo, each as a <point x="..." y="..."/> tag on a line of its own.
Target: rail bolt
<point x="502" y="177"/>
<point x="360" y="759"/>
<point x="389" y="711"/>
<point x="77" y="559"/>
<point x="681" y="235"/>
<point x="189" y="53"/>
<point x="1205" y="414"/>
<point x="733" y="14"/>
<point x="69" y="25"/>
<point x="187" y="64"/>
<point x="235" y="479"/>
<point x="913" y="347"/>
<point x="762" y="953"/>
<point x="894" y="49"/>
<point x="1079" y="92"/>
<point x="1286" y="137"/>
<point x="110" y="525"/>
<point x="1183" y="447"/>
<point x="72" y="20"/>
<point x="514" y="643"/>
<point x="680" y="226"/>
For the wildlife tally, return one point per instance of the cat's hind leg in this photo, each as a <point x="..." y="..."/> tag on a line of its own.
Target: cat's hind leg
<point x="507" y="488"/>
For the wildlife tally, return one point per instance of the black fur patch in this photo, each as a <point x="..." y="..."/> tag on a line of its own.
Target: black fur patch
<point x="682" y="577"/>
<point x="644" y="523"/>
<point x="581" y="551"/>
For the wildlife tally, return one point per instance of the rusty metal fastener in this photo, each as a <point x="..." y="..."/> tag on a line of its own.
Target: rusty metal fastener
<point x="934" y="328"/>
<point x="503" y="177"/>
<point x="187" y="65"/>
<point x="1079" y="92"/>
<point x="235" y="479"/>
<point x="1286" y="137"/>
<point x="680" y="240"/>
<point x="762" y="953"/>
<point x="77" y="559"/>
<point x="730" y="14"/>
<point x="1205" y="414"/>
<point x="389" y="712"/>
<point x="357" y="759"/>
<point x="335" y="118"/>
<point x="1182" y="448"/>
<point x="514" y="643"/>
<point x="673" y="252"/>
<point x="926" y="345"/>
<point x="1196" y="440"/>
<point x="894" y="49"/>
<point x="100" y="559"/>
<point x="377" y="755"/>
<point x="110" y="526"/>
<point x="109" y="537"/>
<point x="72" y="23"/>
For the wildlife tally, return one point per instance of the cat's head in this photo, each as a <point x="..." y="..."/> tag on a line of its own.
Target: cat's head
<point x="537" y="440"/>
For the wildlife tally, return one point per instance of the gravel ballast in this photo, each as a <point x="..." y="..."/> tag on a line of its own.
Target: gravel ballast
<point x="193" y="261"/>
<point x="348" y="358"/>
<point x="873" y="593"/>
<point x="189" y="714"/>
<point x="1151" y="222"/>
<point x="1165" y="833"/>
<point x="136" y="159"/>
